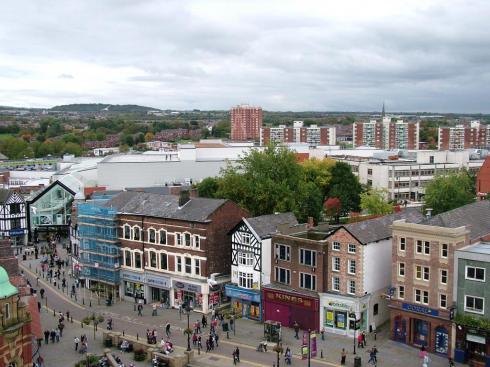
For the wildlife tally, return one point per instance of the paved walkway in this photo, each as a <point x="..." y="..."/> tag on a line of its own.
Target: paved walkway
<point x="246" y="336"/>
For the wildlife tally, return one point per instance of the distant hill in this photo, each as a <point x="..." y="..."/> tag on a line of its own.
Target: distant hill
<point x="98" y="107"/>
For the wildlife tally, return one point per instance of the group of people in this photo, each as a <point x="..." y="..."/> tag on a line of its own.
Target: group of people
<point x="151" y="336"/>
<point x="82" y="341"/>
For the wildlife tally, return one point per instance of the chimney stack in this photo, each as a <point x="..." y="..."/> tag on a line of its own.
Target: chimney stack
<point x="428" y="213"/>
<point x="311" y="223"/>
<point x="184" y="197"/>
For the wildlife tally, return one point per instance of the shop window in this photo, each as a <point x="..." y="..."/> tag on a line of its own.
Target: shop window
<point x="197" y="266"/>
<point x="136" y="233"/>
<point x="245" y="280"/>
<point x="197" y="241"/>
<point x="375" y="309"/>
<point x="163" y="261"/>
<point x="403" y="243"/>
<point x="283" y="252"/>
<point x="151" y="235"/>
<point x="336" y="263"/>
<point x="352" y="287"/>
<point x="245" y="258"/>
<point x="187" y="239"/>
<point x="178" y="239"/>
<point x="307" y="281"/>
<point x="127" y="232"/>
<point x="336" y="246"/>
<point x="474" y="273"/>
<point x="473" y="304"/>
<point x="127" y="258"/>
<point x="307" y="257"/>
<point x="336" y="284"/>
<point x="352" y="267"/>
<point x="163" y="237"/>
<point x="401" y="292"/>
<point x="442" y="301"/>
<point x="401" y="269"/>
<point x="444" y="250"/>
<point x="188" y="265"/>
<point x="137" y="260"/>
<point x="283" y="275"/>
<point x="443" y="276"/>
<point x="351" y="248"/>
<point x="153" y="259"/>
<point x="179" y="264"/>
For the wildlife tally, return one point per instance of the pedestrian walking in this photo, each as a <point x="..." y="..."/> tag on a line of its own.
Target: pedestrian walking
<point x="57" y="335"/>
<point x="194" y="339"/>
<point x="61" y="326"/>
<point x="237" y="353"/>
<point x="372" y="357"/>
<point x="364" y="340"/>
<point x="296" y="330"/>
<point x="52" y="335"/>
<point x="46" y="336"/>
<point x="76" y="341"/>
<point x="451" y="362"/>
<point x="234" y="356"/>
<point x="322" y="333"/>
<point x="140" y="308"/>
<point x="167" y="330"/>
<point x="359" y="341"/>
<point x="216" y="338"/>
<point x="204" y="321"/>
<point x="199" y="342"/>
<point x="426" y="361"/>
<point x="343" y="357"/>
<point x="38" y="306"/>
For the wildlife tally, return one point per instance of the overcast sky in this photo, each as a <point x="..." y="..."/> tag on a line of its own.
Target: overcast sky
<point x="282" y="55"/>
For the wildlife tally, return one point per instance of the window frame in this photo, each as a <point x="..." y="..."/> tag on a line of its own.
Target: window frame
<point x="127" y="227"/>
<point x="334" y="264"/>
<point x="287" y="273"/>
<point x="349" y="266"/>
<point x="444" y="250"/>
<point x="197" y="267"/>
<point x="302" y="281"/>
<point x="188" y="266"/>
<point x="334" y="281"/>
<point x="402" y="243"/>
<point x="277" y="248"/>
<point x="136" y="233"/>
<point x="197" y="241"/>
<point x="336" y="244"/>
<point x="245" y="257"/>
<point x="351" y="245"/>
<point x="178" y="239"/>
<point x="150" y="231"/>
<point x="138" y="255"/>
<point x="165" y="255"/>
<point x="441" y="276"/>
<point x="401" y="265"/>
<point x="467" y="267"/>
<point x="349" y="287"/>
<point x="245" y="280"/>
<point x="401" y="292"/>
<point x="302" y="257"/>
<point x="441" y="295"/>
<point x="160" y="237"/>
<point x="474" y="310"/>
<point x="178" y="264"/>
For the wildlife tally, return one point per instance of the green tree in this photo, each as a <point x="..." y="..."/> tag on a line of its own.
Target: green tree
<point x="262" y="182"/>
<point x="13" y="148"/>
<point x="345" y="186"/>
<point x="318" y="171"/>
<point x="373" y="201"/>
<point x="207" y="188"/>
<point x="446" y="192"/>
<point x="72" y="148"/>
<point x="308" y="202"/>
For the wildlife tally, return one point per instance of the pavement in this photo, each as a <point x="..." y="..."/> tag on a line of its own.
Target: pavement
<point x="246" y="336"/>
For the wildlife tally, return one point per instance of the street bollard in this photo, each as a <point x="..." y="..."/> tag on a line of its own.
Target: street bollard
<point x="227" y="335"/>
<point x="90" y="303"/>
<point x="71" y="319"/>
<point x="123" y="332"/>
<point x="54" y="312"/>
<point x="81" y="324"/>
<point x="137" y="336"/>
<point x="83" y="301"/>
<point x="321" y="353"/>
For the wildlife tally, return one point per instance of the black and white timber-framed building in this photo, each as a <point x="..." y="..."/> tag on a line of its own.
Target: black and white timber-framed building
<point x="251" y="261"/>
<point x="13" y="222"/>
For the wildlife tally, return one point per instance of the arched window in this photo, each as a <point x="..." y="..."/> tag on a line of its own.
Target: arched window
<point x="136" y="233"/>
<point x="151" y="235"/>
<point x="127" y="258"/>
<point x="137" y="260"/>
<point x="187" y="239"/>
<point x="127" y="232"/>
<point x="153" y="259"/>
<point x="163" y="237"/>
<point x="163" y="261"/>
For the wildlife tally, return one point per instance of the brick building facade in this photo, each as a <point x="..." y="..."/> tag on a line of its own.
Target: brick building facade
<point x="246" y="122"/>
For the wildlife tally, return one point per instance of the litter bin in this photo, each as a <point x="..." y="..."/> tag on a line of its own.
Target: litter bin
<point x="357" y="362"/>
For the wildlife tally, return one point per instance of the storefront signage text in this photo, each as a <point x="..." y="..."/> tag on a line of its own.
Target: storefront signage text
<point x="243" y="295"/>
<point x="420" y="309"/>
<point x="334" y="304"/>
<point x="133" y="277"/>
<point x="158" y="281"/>
<point x="286" y="298"/>
<point x="16" y="232"/>
<point x="186" y="286"/>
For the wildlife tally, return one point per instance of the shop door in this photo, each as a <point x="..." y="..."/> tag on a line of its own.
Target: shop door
<point x="305" y="319"/>
<point x="442" y="340"/>
<point x="420" y="332"/>
<point x="276" y="312"/>
<point x="400" y="329"/>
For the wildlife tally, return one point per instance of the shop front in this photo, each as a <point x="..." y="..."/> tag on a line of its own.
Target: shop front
<point x="158" y="288"/>
<point x="288" y="308"/>
<point x="188" y="293"/>
<point x="133" y="285"/>
<point x="338" y="312"/>
<point x="472" y="346"/>
<point x="421" y="326"/>
<point x="245" y="302"/>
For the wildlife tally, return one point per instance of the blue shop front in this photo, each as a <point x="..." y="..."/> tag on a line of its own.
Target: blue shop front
<point x="245" y="302"/>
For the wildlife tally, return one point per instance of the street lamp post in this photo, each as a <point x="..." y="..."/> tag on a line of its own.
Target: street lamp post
<point x="188" y="311"/>
<point x="234" y="322"/>
<point x="309" y="346"/>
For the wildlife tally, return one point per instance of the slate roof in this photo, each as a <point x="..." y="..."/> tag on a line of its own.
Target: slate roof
<point x="377" y="229"/>
<point x="265" y="225"/>
<point x="164" y="206"/>
<point x="4" y="195"/>
<point x="475" y="215"/>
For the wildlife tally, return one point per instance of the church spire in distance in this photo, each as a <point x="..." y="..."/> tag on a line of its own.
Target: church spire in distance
<point x="383" y="110"/>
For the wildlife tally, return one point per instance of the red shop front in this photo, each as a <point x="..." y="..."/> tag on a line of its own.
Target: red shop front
<point x="289" y="307"/>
